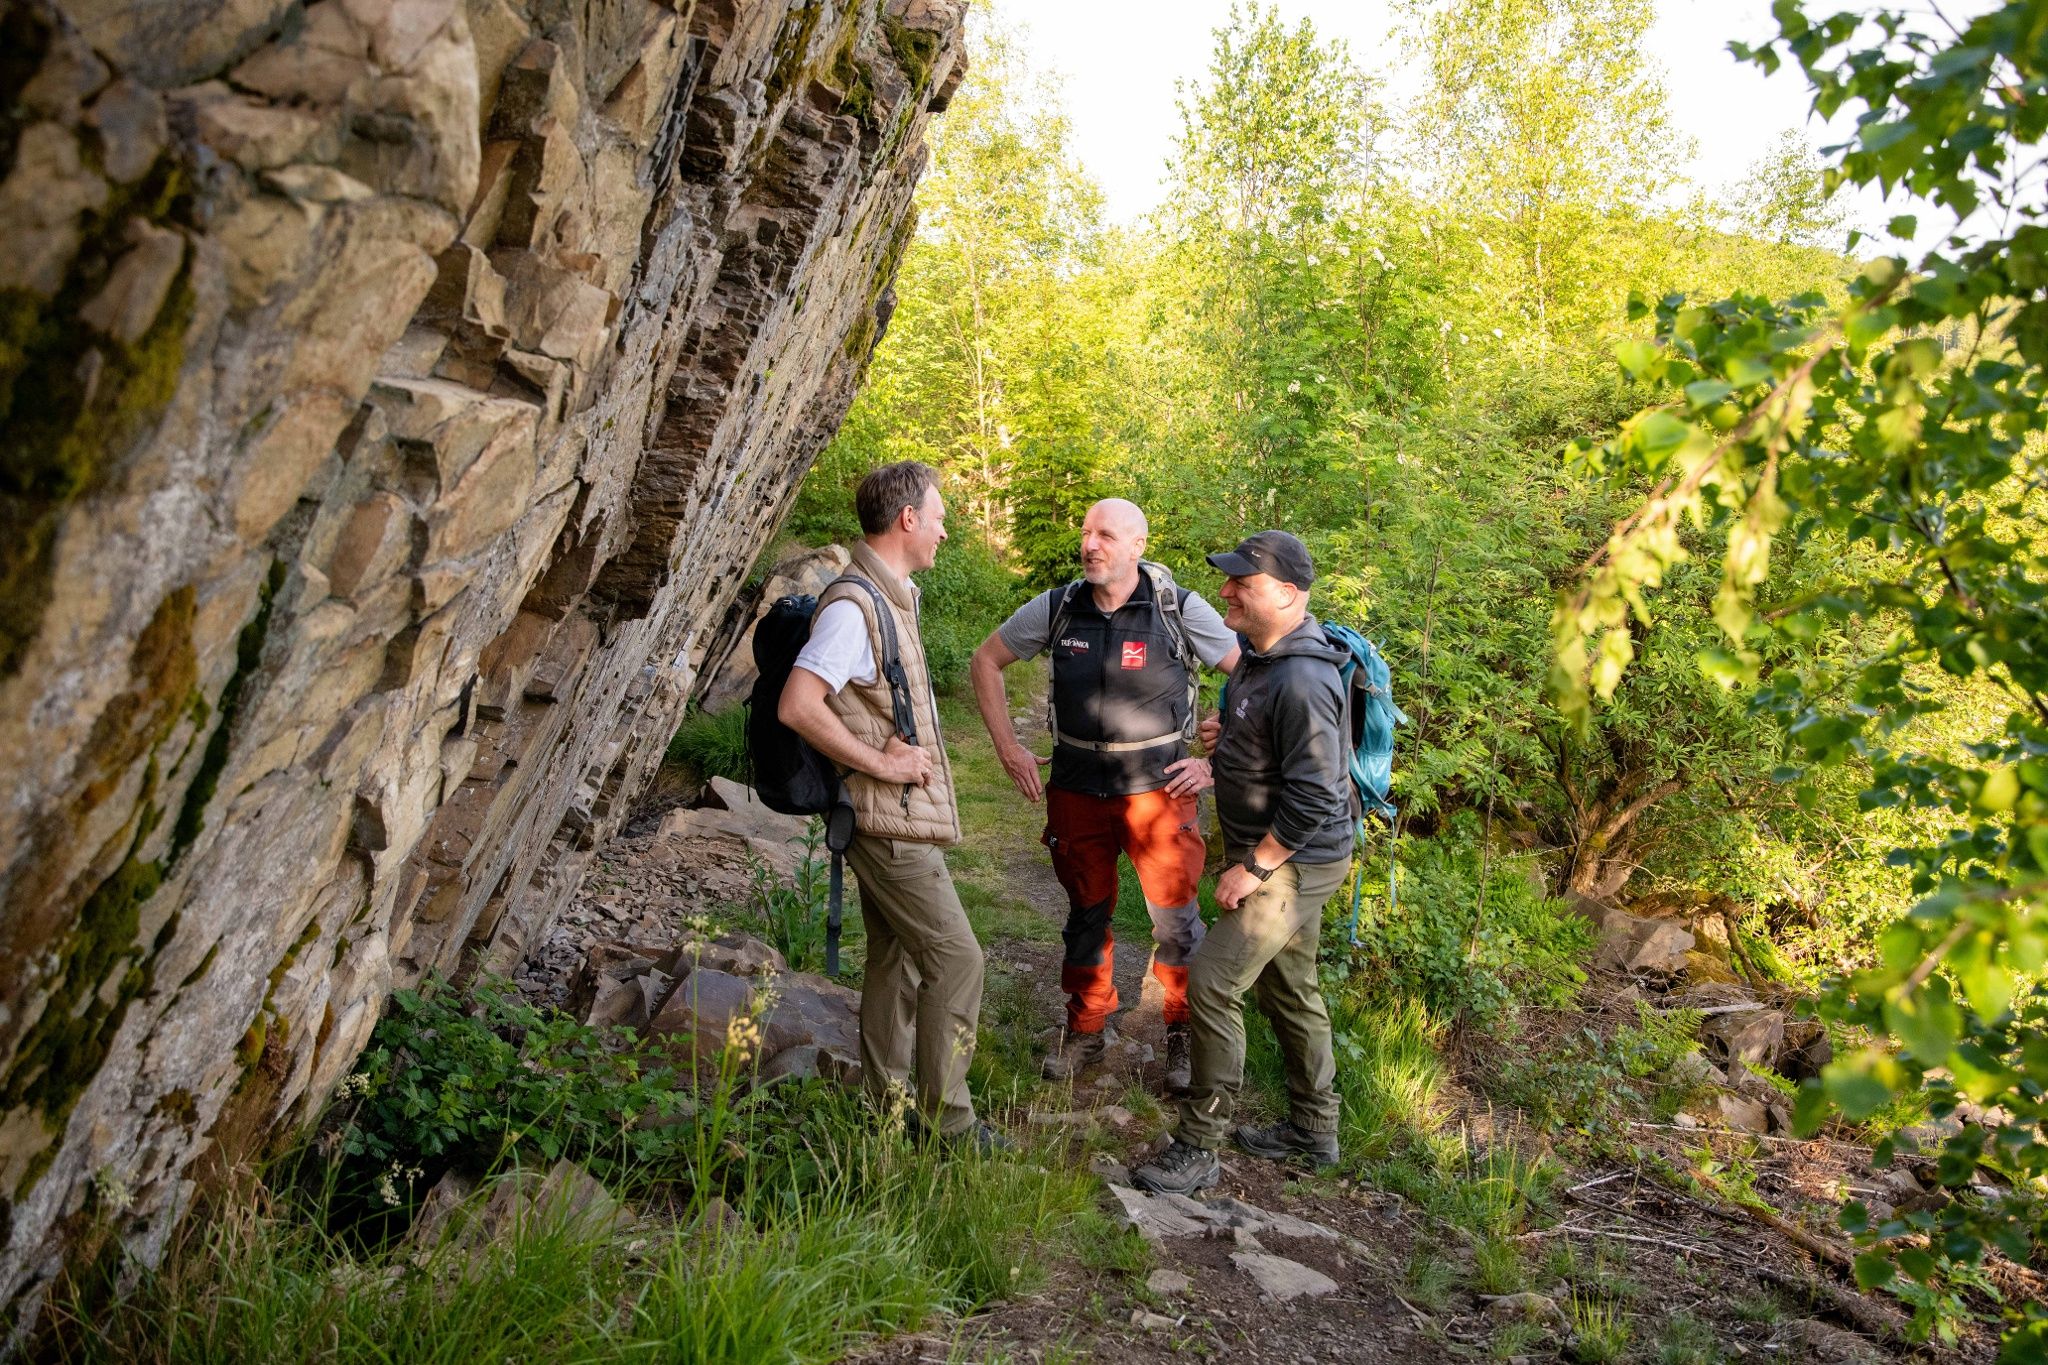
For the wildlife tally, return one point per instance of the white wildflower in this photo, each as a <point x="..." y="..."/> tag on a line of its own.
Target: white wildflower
<point x="1496" y="331"/>
<point x="1463" y="339"/>
<point x="1484" y="247"/>
<point x="1294" y="386"/>
<point x="112" y="1191"/>
<point x="1314" y="260"/>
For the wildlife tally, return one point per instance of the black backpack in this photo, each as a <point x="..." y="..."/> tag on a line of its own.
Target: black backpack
<point x="789" y="775"/>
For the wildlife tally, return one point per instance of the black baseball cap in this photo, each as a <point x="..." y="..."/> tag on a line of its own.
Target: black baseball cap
<point x="1269" y="552"/>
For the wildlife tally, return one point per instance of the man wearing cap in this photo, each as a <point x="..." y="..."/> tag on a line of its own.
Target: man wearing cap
<point x="1284" y="801"/>
<point x="1127" y="645"/>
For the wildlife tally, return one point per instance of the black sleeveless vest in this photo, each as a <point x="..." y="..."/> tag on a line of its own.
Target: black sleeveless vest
<point x="1116" y="679"/>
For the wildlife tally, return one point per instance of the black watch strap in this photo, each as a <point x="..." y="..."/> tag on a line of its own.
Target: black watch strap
<point x="1251" y="865"/>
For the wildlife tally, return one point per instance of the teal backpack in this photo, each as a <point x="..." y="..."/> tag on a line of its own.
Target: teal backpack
<point x="1369" y="706"/>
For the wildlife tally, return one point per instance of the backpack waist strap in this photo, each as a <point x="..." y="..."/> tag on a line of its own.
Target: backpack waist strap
<point x="1117" y="746"/>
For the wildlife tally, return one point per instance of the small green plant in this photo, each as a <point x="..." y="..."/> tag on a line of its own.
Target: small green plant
<point x="1429" y="1278"/>
<point x="449" y="1081"/>
<point x="1686" y="1340"/>
<point x="793" y="912"/>
<point x="1599" y="1332"/>
<point x="1656" y="1040"/>
<point x="714" y="743"/>
<point x="1497" y="1266"/>
<point x="1760" y="1307"/>
<point x="1515" y="1340"/>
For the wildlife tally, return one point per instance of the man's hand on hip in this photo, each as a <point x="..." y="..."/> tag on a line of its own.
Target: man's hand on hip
<point x="1234" y="885"/>
<point x="906" y="763"/>
<point x="1189" y="777"/>
<point x="1022" y="765"/>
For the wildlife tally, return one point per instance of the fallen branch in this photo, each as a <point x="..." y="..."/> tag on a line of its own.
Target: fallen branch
<point x="1705" y="1131"/>
<point x="1709" y="1010"/>
<point x="1590" y="1184"/>
<point x="1576" y="1230"/>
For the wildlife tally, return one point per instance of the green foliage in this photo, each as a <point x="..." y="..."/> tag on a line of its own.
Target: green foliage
<point x="1599" y="1328"/>
<point x="793" y="912"/>
<point x="479" y="1082"/>
<point x="714" y="743"/>
<point x="1904" y="429"/>
<point x="1590" y="1081"/>
<point x="1458" y="952"/>
<point x="836" y="1230"/>
<point x="966" y="594"/>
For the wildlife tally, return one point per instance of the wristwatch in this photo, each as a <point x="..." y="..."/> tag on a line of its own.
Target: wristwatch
<point x="1251" y="865"/>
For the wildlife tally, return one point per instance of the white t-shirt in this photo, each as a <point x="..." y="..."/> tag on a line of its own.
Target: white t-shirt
<point x="839" y="650"/>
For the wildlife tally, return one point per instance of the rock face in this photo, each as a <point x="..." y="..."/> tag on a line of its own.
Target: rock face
<point x="395" y="392"/>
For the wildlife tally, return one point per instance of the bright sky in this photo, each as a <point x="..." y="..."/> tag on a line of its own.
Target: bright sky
<point x="1119" y="60"/>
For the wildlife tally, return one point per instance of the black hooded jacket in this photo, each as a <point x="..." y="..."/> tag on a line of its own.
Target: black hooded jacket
<point x="1279" y="763"/>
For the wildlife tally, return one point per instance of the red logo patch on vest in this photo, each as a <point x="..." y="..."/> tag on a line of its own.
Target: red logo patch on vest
<point x="1134" y="654"/>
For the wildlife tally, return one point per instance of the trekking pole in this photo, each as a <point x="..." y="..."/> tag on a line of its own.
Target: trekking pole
<point x="832" y="917"/>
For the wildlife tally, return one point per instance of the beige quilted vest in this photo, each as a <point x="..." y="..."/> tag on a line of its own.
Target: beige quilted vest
<point x="893" y="810"/>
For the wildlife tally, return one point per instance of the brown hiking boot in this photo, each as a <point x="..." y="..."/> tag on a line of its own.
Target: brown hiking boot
<point x="1075" y="1054"/>
<point x="1180" y="1068"/>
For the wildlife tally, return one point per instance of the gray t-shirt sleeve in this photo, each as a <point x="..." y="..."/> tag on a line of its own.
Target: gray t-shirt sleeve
<point x="1029" y="629"/>
<point x="1212" y="639"/>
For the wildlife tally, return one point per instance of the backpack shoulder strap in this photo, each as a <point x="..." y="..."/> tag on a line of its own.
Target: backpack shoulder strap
<point x="1168" y="598"/>
<point x="891" y="664"/>
<point x="1061" y="609"/>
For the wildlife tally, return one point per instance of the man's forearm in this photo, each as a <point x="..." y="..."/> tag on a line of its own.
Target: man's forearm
<point x="826" y="733"/>
<point x="1271" y="852"/>
<point x="992" y="699"/>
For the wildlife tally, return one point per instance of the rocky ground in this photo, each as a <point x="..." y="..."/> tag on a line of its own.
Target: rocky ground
<point x="1272" y="1265"/>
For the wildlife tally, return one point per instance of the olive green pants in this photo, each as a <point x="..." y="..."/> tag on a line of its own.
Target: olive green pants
<point x="921" y="995"/>
<point x="1266" y="946"/>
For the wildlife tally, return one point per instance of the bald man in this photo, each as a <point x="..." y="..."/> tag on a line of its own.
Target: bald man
<point x="1127" y="646"/>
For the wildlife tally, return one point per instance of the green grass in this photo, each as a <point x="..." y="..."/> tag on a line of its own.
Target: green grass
<point x="995" y="915"/>
<point x="713" y="743"/>
<point x="845" y="1230"/>
<point x="1429" y="1278"/>
<point x="1683" y="1339"/>
<point x="1497" y="1266"/>
<point x="1599" y="1330"/>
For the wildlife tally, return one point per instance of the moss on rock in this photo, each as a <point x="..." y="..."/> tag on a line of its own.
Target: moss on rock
<point x="915" y="51"/>
<point x="74" y="404"/>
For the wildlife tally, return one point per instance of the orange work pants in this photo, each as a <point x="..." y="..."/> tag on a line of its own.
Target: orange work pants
<point x="1160" y="835"/>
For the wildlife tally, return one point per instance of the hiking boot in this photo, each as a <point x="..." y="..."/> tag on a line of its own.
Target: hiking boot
<point x="1283" y="1141"/>
<point x="1075" y="1054"/>
<point x="979" y="1140"/>
<point x="1180" y="1068"/>
<point x="1181" y="1169"/>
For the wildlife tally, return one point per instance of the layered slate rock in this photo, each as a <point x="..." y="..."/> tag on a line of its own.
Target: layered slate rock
<point x="396" y="391"/>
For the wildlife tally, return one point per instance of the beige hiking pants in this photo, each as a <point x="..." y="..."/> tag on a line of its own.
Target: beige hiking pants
<point x="921" y="995"/>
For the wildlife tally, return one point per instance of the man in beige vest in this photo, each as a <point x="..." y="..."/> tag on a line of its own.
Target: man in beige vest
<point x="921" y="994"/>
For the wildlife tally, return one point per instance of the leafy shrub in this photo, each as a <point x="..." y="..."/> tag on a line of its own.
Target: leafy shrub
<point x="966" y="594"/>
<point x="714" y="743"/>
<point x="453" y="1083"/>
<point x="1462" y="956"/>
<point x="1587" y="1080"/>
